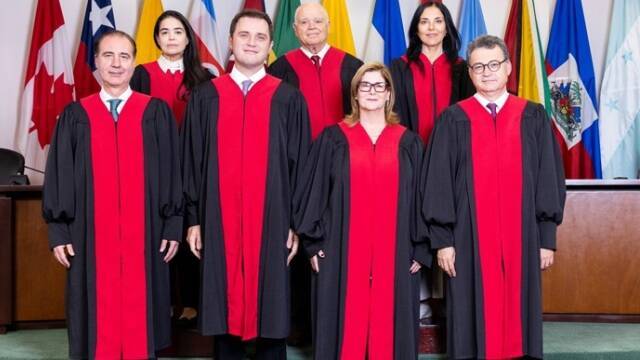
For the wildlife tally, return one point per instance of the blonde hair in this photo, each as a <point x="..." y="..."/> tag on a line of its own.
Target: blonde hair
<point x="389" y="116"/>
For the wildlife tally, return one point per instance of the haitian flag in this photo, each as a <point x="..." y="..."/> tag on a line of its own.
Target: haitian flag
<point x="98" y="19"/>
<point x="572" y="86"/>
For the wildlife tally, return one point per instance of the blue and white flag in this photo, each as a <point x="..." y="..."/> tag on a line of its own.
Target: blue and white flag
<point x="620" y="94"/>
<point x="471" y="24"/>
<point x="385" y="40"/>
<point x="572" y="85"/>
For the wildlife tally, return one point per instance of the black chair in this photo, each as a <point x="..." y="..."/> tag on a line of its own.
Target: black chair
<point x="12" y="168"/>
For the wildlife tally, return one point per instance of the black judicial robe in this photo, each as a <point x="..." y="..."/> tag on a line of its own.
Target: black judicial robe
<point x="327" y="90"/>
<point x="113" y="191"/>
<point x="242" y="158"/>
<point x="357" y="202"/>
<point x="422" y="95"/>
<point x="495" y="192"/>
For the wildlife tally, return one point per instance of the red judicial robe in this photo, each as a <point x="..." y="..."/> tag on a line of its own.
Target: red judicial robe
<point x="358" y="204"/>
<point x="327" y="89"/>
<point x="421" y="95"/>
<point x="113" y="191"/>
<point x="241" y="165"/>
<point x="151" y="80"/>
<point x="495" y="192"/>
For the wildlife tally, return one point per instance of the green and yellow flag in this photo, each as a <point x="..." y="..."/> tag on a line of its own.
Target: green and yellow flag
<point x="340" y="35"/>
<point x="147" y="50"/>
<point x="284" y="39"/>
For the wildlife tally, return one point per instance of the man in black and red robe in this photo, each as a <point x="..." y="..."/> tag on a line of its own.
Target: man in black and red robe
<point x="246" y="135"/>
<point x="321" y="72"/>
<point x="494" y="194"/>
<point x="113" y="201"/>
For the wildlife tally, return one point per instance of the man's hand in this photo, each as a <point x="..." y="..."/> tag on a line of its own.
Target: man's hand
<point x="194" y="240"/>
<point x="173" y="249"/>
<point x="315" y="262"/>
<point x="60" y="254"/>
<point x="415" y="267"/>
<point x="447" y="260"/>
<point x="546" y="258"/>
<point x="292" y="244"/>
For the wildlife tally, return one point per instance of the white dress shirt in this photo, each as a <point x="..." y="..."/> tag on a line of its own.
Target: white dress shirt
<point x="320" y="53"/>
<point x="500" y="101"/>
<point x="239" y="77"/>
<point x="168" y="65"/>
<point x="105" y="97"/>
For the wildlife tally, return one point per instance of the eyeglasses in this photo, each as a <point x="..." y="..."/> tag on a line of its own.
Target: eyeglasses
<point x="379" y="87"/>
<point x="493" y="66"/>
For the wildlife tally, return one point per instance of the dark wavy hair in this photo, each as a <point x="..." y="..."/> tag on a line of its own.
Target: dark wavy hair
<point x="450" y="43"/>
<point x="194" y="72"/>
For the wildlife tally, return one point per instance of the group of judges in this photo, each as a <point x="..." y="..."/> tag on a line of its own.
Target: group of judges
<point x="374" y="173"/>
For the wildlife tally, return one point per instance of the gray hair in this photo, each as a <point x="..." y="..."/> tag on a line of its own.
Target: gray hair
<point x="487" y="42"/>
<point x="319" y="5"/>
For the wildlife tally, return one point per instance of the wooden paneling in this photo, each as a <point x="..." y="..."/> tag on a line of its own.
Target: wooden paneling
<point x="6" y="278"/>
<point x="597" y="265"/>
<point x="39" y="279"/>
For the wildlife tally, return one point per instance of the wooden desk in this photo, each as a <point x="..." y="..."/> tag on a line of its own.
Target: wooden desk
<point x="32" y="283"/>
<point x="596" y="272"/>
<point x="597" y="265"/>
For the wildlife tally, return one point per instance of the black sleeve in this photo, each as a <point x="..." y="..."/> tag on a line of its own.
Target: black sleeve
<point x="202" y="102"/>
<point x="311" y="198"/>
<point x="438" y="179"/>
<point x="401" y="103"/>
<point x="58" y="194"/>
<point x="298" y="143"/>
<point x="550" y="185"/>
<point x="140" y="81"/>
<point x="462" y="87"/>
<point x="350" y="65"/>
<point x="414" y="150"/>
<point x="170" y="183"/>
<point x="283" y="71"/>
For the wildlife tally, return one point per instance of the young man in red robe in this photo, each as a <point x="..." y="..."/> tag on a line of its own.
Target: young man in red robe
<point x="113" y="201"/>
<point x="246" y="135"/>
<point x="493" y="196"/>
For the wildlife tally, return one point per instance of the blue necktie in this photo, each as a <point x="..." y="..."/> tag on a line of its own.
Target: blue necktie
<point x="245" y="86"/>
<point x="113" y="107"/>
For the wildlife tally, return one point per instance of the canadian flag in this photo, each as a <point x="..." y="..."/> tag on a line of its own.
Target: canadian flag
<point x="48" y="86"/>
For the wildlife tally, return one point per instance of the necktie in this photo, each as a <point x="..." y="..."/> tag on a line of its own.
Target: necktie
<point x="316" y="61"/>
<point x="113" y="107"/>
<point x="245" y="86"/>
<point x="493" y="107"/>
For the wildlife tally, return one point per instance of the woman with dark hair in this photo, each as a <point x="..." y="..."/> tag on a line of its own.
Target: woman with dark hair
<point x="171" y="78"/>
<point x="178" y="70"/>
<point x="355" y="211"/>
<point x="430" y="76"/>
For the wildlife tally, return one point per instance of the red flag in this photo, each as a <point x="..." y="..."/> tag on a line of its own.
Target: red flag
<point x="512" y="37"/>
<point x="254" y="4"/>
<point x="48" y="86"/>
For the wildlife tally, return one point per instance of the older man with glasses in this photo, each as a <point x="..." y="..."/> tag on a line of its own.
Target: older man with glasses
<point x="494" y="194"/>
